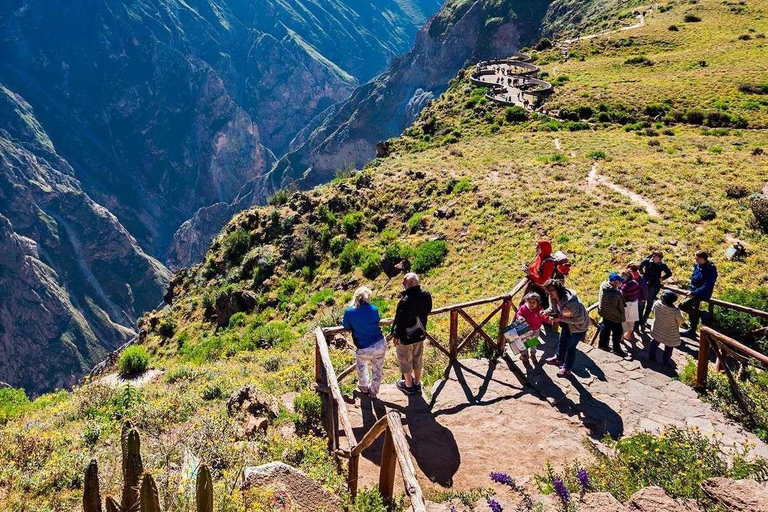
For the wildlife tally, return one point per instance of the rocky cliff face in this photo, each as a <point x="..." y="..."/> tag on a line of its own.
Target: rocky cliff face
<point x="462" y="32"/>
<point x="72" y="279"/>
<point x="140" y="118"/>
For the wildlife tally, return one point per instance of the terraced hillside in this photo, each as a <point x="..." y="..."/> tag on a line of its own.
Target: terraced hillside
<point x="463" y="196"/>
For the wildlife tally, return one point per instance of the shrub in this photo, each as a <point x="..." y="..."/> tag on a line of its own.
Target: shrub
<point x="370" y="263"/>
<point x="464" y="185"/>
<point x="677" y="460"/>
<point x="656" y="110"/>
<point x="638" y="60"/>
<point x="745" y="37"/>
<point x="397" y="251"/>
<point x="212" y="392"/>
<point x="236" y="320"/>
<point x="91" y="434"/>
<point x="235" y="245"/>
<point x="416" y="221"/>
<point x="596" y="155"/>
<point x="267" y="336"/>
<point x="691" y="18"/>
<point x="694" y="117"/>
<point x="735" y="324"/>
<point x="754" y="88"/>
<point x="337" y="244"/>
<point x="584" y="112"/>
<point x="760" y="213"/>
<point x="167" y="327"/>
<point x="736" y="191"/>
<point x="12" y="403"/>
<point x="279" y="198"/>
<point x="706" y="212"/>
<point x="515" y="114"/>
<point x="575" y="126"/>
<point x="429" y="255"/>
<point x="673" y="28"/>
<point x="181" y="373"/>
<point x="352" y="223"/>
<point x="543" y="44"/>
<point x="133" y="360"/>
<point x="309" y="412"/>
<point x="370" y="500"/>
<point x="349" y="257"/>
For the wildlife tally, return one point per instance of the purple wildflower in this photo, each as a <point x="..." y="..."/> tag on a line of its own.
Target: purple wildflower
<point x="583" y="477"/>
<point x="494" y="505"/>
<point x="561" y="490"/>
<point x="502" y="478"/>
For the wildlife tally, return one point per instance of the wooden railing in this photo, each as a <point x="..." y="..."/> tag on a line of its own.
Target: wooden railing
<point x="395" y="444"/>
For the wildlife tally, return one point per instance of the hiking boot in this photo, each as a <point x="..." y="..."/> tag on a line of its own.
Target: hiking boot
<point x="363" y="389"/>
<point x="405" y="389"/>
<point x="604" y="347"/>
<point x="553" y="360"/>
<point x="619" y="352"/>
<point x="416" y="387"/>
<point x="563" y="372"/>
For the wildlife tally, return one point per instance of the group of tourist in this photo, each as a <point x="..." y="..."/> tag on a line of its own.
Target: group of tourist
<point x="626" y="300"/>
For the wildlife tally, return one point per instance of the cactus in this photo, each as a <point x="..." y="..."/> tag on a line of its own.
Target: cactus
<point x="148" y="495"/>
<point x="132" y="467"/>
<point x="111" y="504"/>
<point x="204" y="490"/>
<point x="91" y="494"/>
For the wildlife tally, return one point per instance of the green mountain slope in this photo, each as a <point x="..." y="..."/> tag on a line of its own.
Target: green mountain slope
<point x="470" y="175"/>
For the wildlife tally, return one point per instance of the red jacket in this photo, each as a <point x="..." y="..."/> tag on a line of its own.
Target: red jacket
<point x="543" y="267"/>
<point x="535" y="317"/>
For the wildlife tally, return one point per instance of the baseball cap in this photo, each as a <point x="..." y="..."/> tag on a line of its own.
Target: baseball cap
<point x="615" y="276"/>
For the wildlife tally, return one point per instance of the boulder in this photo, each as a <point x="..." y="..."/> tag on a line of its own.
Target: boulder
<point x="256" y="425"/>
<point x="227" y="304"/>
<point x="737" y="495"/>
<point x="653" y="499"/>
<point x="253" y="401"/>
<point x="299" y="492"/>
<point x="389" y="267"/>
<point x="446" y="212"/>
<point x="383" y="149"/>
<point x="601" y="502"/>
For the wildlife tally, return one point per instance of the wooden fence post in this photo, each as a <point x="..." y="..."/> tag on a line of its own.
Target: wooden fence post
<point x="701" y="370"/>
<point x="387" y="472"/>
<point x="503" y="321"/>
<point x="354" y="464"/>
<point x="453" y="334"/>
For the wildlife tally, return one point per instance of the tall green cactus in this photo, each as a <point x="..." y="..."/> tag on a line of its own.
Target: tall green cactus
<point x="132" y="467"/>
<point x="148" y="495"/>
<point x="91" y="493"/>
<point x="204" y="490"/>
<point x="111" y="505"/>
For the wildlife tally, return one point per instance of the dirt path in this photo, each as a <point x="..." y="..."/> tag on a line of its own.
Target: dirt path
<point x="640" y="23"/>
<point x="594" y="179"/>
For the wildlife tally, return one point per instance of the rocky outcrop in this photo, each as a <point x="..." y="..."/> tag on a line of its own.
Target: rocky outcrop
<point x="72" y="279"/>
<point x="296" y="490"/>
<point x="462" y="32"/>
<point x="737" y="495"/>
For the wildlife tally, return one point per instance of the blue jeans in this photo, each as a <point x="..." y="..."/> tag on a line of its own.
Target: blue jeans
<point x="566" y="345"/>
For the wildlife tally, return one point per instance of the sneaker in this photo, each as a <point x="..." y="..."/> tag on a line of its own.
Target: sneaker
<point x="619" y="352"/>
<point x="405" y="389"/>
<point x="553" y="360"/>
<point x="416" y="387"/>
<point x="563" y="372"/>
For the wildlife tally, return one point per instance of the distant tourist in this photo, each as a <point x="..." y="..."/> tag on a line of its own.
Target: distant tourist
<point x="666" y="326"/>
<point x="534" y="315"/>
<point x="634" y="268"/>
<point x="632" y="293"/>
<point x="362" y="318"/>
<point x="570" y="313"/>
<point x="409" y="330"/>
<point x="655" y="271"/>
<point x="703" y="280"/>
<point x="611" y="307"/>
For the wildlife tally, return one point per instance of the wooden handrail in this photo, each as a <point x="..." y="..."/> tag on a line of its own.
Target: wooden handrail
<point x="333" y="384"/>
<point x="399" y="444"/>
<point x="724" y="304"/>
<point x="737" y="346"/>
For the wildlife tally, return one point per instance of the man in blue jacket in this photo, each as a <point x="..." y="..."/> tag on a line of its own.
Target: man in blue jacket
<point x="702" y="284"/>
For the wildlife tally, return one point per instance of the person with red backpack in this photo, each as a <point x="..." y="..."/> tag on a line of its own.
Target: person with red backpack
<point x="546" y="266"/>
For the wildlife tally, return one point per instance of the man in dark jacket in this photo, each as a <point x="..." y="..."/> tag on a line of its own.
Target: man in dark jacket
<point x="611" y="306"/>
<point x="702" y="285"/>
<point x="409" y="330"/>
<point x="654" y="270"/>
